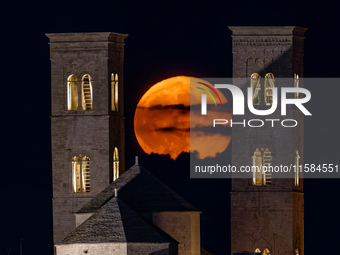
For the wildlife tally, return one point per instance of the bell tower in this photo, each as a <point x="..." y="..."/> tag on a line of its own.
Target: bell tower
<point x="87" y="120"/>
<point x="267" y="211"/>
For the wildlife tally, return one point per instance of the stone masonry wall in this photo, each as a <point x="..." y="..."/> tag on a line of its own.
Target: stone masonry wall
<point x="93" y="133"/>
<point x="184" y="227"/>
<point x="92" y="249"/>
<point x="267" y="216"/>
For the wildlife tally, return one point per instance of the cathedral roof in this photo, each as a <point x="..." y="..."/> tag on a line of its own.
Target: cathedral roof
<point x="142" y="191"/>
<point x="116" y="222"/>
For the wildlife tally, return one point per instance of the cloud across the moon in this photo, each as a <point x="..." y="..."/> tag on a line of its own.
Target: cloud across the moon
<point x="162" y="121"/>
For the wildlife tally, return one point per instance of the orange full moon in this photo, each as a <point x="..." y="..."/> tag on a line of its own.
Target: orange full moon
<point x="162" y="120"/>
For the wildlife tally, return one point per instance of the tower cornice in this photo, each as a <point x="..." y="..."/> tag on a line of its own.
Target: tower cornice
<point x="267" y="30"/>
<point x="86" y="37"/>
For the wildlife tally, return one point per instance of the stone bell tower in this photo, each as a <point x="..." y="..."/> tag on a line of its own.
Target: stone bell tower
<point x="267" y="212"/>
<point x="87" y="120"/>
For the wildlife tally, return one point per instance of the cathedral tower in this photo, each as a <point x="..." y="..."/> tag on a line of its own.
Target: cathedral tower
<point x="267" y="212"/>
<point x="87" y="120"/>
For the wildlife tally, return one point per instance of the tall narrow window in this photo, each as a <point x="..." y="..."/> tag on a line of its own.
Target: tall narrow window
<point x="87" y="92"/>
<point x="256" y="88"/>
<point x="269" y="83"/>
<point x="86" y="174"/>
<point x="76" y="175"/>
<point x="257" y="169"/>
<point x="72" y="93"/>
<point x="267" y="161"/>
<point x="296" y="84"/>
<point x="297" y="169"/>
<point x="115" y="164"/>
<point x="81" y="174"/>
<point x="114" y="92"/>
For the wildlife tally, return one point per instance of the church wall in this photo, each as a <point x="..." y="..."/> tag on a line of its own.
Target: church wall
<point x="80" y="58"/>
<point x="93" y="249"/>
<point x="117" y="249"/>
<point x="63" y="215"/>
<point x="263" y="220"/>
<point x="152" y="249"/>
<point x="259" y="49"/>
<point x="267" y="216"/>
<point x="184" y="227"/>
<point x="93" y="133"/>
<point x="75" y="136"/>
<point x="298" y="222"/>
<point x="195" y="233"/>
<point x="282" y="143"/>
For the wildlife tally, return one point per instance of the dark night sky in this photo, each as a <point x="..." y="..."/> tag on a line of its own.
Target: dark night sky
<point x="165" y="39"/>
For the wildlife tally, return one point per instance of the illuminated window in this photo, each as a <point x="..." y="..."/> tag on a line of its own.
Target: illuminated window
<point x="114" y="92"/>
<point x="266" y="252"/>
<point x="296" y="85"/>
<point x="257" y="169"/>
<point x="115" y="164"/>
<point x="81" y="175"/>
<point x="257" y="250"/>
<point x="86" y="174"/>
<point x="76" y="175"/>
<point x="259" y="161"/>
<point x="72" y="93"/>
<point x="297" y="169"/>
<point x="267" y="162"/>
<point x="86" y="92"/>
<point x="256" y="88"/>
<point x="269" y="84"/>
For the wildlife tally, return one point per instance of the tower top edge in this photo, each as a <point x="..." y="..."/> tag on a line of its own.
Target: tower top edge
<point x="86" y="37"/>
<point x="267" y="30"/>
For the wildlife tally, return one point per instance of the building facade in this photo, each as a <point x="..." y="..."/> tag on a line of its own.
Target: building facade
<point x="87" y="120"/>
<point x="98" y="207"/>
<point x="267" y="210"/>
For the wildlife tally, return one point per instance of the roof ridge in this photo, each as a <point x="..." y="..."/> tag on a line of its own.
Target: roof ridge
<point x="116" y="222"/>
<point x="124" y="178"/>
<point x="143" y="191"/>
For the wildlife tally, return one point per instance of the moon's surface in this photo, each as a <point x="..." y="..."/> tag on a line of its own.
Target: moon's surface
<point x="162" y="120"/>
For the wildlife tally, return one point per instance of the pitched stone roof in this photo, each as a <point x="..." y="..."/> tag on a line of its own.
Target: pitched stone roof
<point x="116" y="222"/>
<point x="143" y="192"/>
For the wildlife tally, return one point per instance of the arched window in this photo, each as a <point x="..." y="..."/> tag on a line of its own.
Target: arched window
<point x="256" y="88"/>
<point x="86" y="174"/>
<point x="296" y="84"/>
<point x="87" y="97"/>
<point x="76" y="175"/>
<point x="81" y="175"/>
<point x="114" y="92"/>
<point x="257" y="250"/>
<point x="269" y="84"/>
<point x="257" y="169"/>
<point x="297" y="169"/>
<point x="267" y="162"/>
<point x="72" y="93"/>
<point x="115" y="164"/>
<point x="259" y="161"/>
<point x="266" y="252"/>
